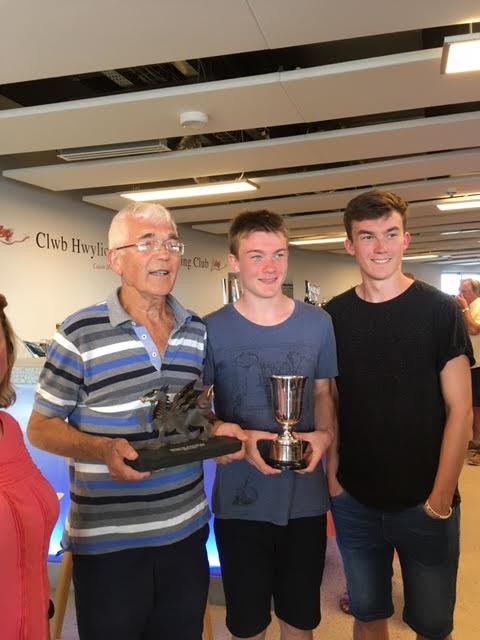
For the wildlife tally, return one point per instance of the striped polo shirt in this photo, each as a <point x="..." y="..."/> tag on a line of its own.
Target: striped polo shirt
<point x="99" y="365"/>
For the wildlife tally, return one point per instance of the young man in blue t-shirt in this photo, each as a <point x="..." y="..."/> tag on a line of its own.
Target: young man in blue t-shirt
<point x="270" y="524"/>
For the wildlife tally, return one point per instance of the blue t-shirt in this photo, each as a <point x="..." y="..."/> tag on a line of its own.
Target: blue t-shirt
<point x="241" y="357"/>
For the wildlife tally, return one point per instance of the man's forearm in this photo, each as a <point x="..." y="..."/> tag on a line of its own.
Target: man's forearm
<point x="331" y="462"/>
<point x="452" y="454"/>
<point x="471" y="323"/>
<point x="56" y="436"/>
<point x="456" y="391"/>
<point x="324" y="411"/>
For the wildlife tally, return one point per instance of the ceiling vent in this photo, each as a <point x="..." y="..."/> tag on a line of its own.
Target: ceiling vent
<point x="113" y="150"/>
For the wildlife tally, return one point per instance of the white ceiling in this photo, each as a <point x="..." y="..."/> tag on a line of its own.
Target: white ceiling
<point x="50" y="38"/>
<point x="419" y="157"/>
<point x="408" y="81"/>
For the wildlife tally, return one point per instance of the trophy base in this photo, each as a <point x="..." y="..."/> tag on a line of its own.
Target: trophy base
<point x="284" y="465"/>
<point x="184" y="453"/>
<point x="286" y="454"/>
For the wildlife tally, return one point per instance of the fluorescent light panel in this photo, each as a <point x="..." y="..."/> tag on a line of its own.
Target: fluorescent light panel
<point x="209" y="189"/>
<point x="461" y="53"/>
<point x="456" y="233"/>
<point x="421" y="256"/>
<point x="458" y="204"/>
<point x="113" y="150"/>
<point x="318" y="240"/>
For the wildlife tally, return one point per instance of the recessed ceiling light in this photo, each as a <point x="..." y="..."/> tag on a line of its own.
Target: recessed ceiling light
<point x="324" y="240"/>
<point x="456" y="233"/>
<point x="461" y="53"/>
<point x="421" y="256"/>
<point x="113" y="150"/>
<point x="457" y="204"/>
<point x="193" y="191"/>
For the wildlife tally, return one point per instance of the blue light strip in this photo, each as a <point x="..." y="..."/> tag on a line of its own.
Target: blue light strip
<point x="55" y="470"/>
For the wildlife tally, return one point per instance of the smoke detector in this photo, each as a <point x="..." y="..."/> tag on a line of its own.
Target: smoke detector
<point x="193" y="120"/>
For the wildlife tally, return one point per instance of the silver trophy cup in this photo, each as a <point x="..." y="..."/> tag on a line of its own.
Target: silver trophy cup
<point x="286" y="452"/>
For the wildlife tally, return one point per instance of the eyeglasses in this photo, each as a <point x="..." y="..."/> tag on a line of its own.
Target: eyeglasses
<point x="148" y="246"/>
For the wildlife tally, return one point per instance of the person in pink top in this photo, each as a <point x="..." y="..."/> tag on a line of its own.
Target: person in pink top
<point x="28" y="511"/>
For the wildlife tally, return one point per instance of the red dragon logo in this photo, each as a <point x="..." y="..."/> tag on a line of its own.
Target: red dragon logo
<point x="217" y="265"/>
<point x="6" y="236"/>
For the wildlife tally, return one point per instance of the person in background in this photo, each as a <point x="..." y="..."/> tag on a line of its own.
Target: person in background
<point x="270" y="525"/>
<point x="140" y="568"/>
<point x="469" y="302"/>
<point x="404" y="413"/>
<point x="28" y="512"/>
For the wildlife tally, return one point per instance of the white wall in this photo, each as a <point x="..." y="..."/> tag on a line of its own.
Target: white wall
<point x="43" y="284"/>
<point x="201" y="289"/>
<point x="204" y="264"/>
<point x="432" y="273"/>
<point x="333" y="274"/>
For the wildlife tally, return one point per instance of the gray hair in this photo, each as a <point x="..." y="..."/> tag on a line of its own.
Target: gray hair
<point x="117" y="234"/>
<point x="476" y="287"/>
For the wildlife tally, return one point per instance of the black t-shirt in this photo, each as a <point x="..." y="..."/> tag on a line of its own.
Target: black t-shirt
<point x="391" y="409"/>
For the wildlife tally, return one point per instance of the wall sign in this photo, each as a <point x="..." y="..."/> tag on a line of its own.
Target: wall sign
<point x="197" y="262"/>
<point x="7" y="236"/>
<point x="95" y="251"/>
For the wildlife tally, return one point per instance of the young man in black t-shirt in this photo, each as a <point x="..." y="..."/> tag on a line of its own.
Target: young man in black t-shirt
<point x="403" y="427"/>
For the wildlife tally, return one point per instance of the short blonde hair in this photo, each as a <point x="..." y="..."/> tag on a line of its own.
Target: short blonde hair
<point x="117" y="234"/>
<point x="7" y="392"/>
<point x="249" y="222"/>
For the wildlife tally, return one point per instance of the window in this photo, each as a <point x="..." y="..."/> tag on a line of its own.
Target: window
<point x="450" y="282"/>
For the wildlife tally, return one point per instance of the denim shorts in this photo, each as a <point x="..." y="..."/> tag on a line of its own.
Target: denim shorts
<point x="427" y="549"/>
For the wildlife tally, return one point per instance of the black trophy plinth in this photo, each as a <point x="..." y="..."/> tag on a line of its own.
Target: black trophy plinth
<point x="182" y="424"/>
<point x="296" y="464"/>
<point x="183" y="453"/>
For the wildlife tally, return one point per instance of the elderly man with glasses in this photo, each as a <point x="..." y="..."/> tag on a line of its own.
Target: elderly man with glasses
<point x="140" y="567"/>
